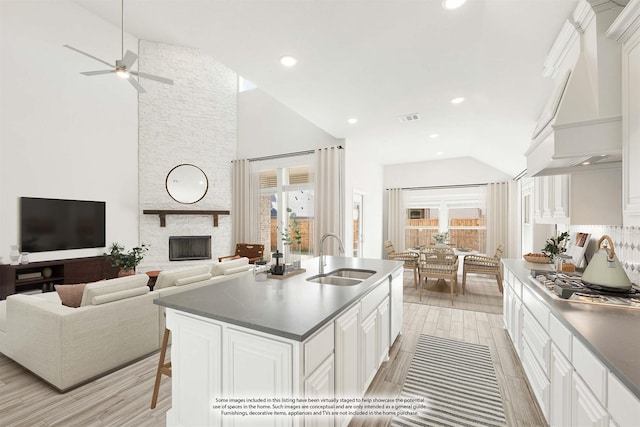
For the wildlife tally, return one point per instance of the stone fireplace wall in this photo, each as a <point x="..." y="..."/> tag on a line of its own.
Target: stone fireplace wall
<point x="192" y="121"/>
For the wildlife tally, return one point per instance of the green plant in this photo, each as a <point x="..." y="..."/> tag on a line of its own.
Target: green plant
<point x="556" y="245"/>
<point x="292" y="234"/>
<point x="126" y="260"/>
<point x="441" y="237"/>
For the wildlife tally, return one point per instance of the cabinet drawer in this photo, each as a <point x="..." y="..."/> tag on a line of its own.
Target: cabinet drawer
<point x="374" y="298"/>
<point x="623" y="406"/>
<point x="538" y="340"/>
<point x="537" y="379"/>
<point x="592" y="372"/>
<point x="318" y="348"/>
<point x="560" y="336"/>
<point x="536" y="307"/>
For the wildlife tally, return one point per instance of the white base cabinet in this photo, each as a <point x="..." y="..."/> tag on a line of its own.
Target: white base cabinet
<point x="571" y="385"/>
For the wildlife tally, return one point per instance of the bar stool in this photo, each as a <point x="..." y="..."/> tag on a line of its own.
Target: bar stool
<point x="163" y="368"/>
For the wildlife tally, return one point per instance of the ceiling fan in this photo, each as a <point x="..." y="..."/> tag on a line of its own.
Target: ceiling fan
<point x="123" y="66"/>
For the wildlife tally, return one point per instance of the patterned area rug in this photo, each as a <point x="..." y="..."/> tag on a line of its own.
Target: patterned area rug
<point x="458" y="384"/>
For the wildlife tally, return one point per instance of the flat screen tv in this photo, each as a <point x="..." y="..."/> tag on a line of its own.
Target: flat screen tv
<point x="55" y="224"/>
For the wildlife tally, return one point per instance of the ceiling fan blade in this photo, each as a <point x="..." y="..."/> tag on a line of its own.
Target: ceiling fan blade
<point x="135" y="84"/>
<point x="129" y="59"/>
<point x="152" y="77"/>
<point x="97" y="73"/>
<point x="86" y="54"/>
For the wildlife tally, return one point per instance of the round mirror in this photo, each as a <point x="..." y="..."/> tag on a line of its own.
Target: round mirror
<point x="187" y="183"/>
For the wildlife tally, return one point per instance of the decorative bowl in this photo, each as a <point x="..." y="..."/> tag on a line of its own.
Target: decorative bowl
<point x="537" y="258"/>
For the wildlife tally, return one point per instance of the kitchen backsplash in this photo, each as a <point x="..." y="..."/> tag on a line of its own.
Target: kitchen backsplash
<point x="626" y="242"/>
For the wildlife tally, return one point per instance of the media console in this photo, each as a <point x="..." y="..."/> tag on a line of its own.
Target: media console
<point x="35" y="275"/>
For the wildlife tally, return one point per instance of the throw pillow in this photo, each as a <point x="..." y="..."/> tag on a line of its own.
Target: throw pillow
<point x="70" y="295"/>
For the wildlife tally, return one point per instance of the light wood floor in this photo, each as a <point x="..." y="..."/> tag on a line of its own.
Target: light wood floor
<point x="123" y="398"/>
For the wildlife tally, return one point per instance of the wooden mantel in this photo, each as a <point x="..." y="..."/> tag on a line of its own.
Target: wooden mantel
<point x="163" y="214"/>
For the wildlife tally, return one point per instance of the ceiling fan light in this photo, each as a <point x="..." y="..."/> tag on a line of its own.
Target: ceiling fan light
<point x="452" y="4"/>
<point x="121" y="72"/>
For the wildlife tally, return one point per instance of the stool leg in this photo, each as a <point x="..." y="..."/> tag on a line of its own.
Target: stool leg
<point x="163" y="353"/>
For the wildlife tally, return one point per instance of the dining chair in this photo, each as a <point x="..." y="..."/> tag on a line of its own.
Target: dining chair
<point x="253" y="251"/>
<point x="483" y="264"/>
<point x="438" y="263"/>
<point x="410" y="259"/>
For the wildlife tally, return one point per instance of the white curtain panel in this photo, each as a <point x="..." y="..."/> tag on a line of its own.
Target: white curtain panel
<point x="329" y="197"/>
<point x="395" y="225"/>
<point x="241" y="202"/>
<point x="497" y="216"/>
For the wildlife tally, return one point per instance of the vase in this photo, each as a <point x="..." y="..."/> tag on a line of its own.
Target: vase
<point x="129" y="272"/>
<point x="24" y="258"/>
<point x="295" y="258"/>
<point x="14" y="255"/>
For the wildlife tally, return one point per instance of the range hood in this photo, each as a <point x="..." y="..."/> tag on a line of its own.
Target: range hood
<point x="581" y="125"/>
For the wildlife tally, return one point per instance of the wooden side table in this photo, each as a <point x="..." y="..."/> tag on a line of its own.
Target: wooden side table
<point x="153" y="276"/>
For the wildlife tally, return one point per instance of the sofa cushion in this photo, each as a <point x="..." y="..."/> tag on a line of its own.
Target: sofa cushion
<point x="70" y="295"/>
<point x="167" y="278"/>
<point x="112" y="285"/>
<point x="235" y="270"/>
<point x="220" y="268"/>
<point x="116" y="296"/>
<point x="193" y="279"/>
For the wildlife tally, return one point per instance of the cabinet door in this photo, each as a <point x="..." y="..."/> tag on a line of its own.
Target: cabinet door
<point x="196" y="361"/>
<point x="561" y="377"/>
<point x="347" y="357"/>
<point x="631" y="130"/>
<point x="396" y="307"/>
<point x="369" y="350"/>
<point x="320" y="384"/>
<point x="256" y="366"/>
<point x="382" y="323"/>
<point x="586" y="411"/>
<point x="347" y="352"/>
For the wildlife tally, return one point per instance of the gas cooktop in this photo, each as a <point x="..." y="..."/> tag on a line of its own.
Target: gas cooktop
<point x="569" y="287"/>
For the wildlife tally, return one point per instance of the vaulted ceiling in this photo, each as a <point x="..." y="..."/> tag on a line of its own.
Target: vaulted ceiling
<point x="376" y="60"/>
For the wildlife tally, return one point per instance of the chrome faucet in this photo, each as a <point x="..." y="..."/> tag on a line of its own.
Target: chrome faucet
<point x="322" y="239"/>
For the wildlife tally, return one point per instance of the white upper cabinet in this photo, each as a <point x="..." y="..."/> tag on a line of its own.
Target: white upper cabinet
<point x="626" y="30"/>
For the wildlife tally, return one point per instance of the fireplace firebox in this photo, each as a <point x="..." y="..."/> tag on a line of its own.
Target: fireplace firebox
<point x="188" y="248"/>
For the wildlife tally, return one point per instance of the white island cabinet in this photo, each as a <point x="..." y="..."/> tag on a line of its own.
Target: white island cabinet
<point x="217" y="362"/>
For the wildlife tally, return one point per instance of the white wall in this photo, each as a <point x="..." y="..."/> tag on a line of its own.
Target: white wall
<point x="62" y="134"/>
<point x="268" y="127"/>
<point x="458" y="171"/>
<point x="193" y="121"/>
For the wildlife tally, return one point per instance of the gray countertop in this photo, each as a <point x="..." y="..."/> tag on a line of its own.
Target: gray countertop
<point x="612" y="334"/>
<point x="292" y="308"/>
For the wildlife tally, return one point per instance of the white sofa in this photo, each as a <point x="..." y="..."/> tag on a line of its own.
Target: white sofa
<point x="116" y="324"/>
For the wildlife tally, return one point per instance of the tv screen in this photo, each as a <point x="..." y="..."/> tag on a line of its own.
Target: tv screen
<point x="54" y="224"/>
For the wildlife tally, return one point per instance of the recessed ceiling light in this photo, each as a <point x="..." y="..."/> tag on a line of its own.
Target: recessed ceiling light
<point x="288" y="61"/>
<point x="352" y="121"/>
<point x="434" y="136"/>
<point x="439" y="153"/>
<point x="452" y="4"/>
<point x="459" y="100"/>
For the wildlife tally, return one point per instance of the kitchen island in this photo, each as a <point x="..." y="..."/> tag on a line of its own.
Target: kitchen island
<point x="582" y="360"/>
<point x="280" y="339"/>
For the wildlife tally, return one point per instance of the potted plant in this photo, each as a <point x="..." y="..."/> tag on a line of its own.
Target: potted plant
<point x="441" y="238"/>
<point x="292" y="236"/>
<point x="127" y="261"/>
<point x="556" y="245"/>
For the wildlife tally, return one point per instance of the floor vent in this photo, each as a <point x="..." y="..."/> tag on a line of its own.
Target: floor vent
<point x="409" y="118"/>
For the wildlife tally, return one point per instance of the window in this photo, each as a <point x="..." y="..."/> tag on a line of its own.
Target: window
<point x="460" y="211"/>
<point x="285" y="189"/>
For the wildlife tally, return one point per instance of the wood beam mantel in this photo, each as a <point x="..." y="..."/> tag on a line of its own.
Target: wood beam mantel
<point x="163" y="214"/>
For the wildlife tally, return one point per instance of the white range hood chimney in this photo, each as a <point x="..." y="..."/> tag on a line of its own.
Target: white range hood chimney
<point x="581" y="126"/>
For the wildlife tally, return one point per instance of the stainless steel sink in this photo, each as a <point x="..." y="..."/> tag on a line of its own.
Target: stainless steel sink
<point x="334" y="280"/>
<point x="352" y="273"/>
<point x="342" y="277"/>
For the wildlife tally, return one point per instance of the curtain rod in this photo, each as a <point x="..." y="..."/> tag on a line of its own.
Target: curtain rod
<point x="280" y="156"/>
<point x="436" y="187"/>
